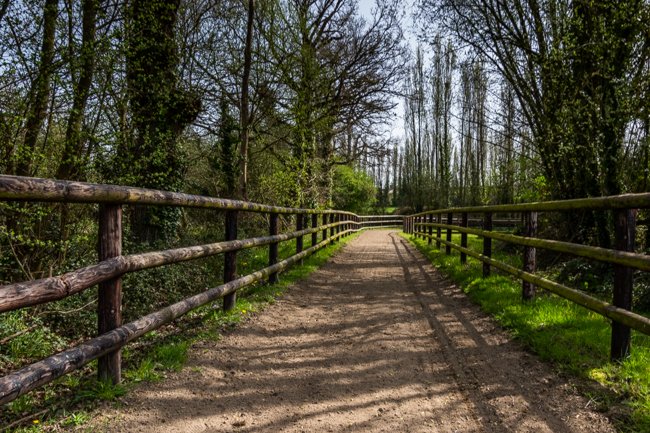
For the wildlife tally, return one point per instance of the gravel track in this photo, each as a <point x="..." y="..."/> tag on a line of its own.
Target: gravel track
<point x="374" y="341"/>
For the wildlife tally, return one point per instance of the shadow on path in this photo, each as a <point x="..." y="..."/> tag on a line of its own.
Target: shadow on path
<point x="374" y="341"/>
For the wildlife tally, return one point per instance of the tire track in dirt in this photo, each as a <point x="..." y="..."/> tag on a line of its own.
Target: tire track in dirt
<point x="374" y="341"/>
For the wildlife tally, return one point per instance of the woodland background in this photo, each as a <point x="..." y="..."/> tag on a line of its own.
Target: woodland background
<point x="290" y="102"/>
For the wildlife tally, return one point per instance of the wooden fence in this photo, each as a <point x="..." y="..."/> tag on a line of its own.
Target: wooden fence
<point x="623" y="257"/>
<point x="112" y="333"/>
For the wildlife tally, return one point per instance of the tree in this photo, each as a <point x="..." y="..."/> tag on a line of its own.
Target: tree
<point x="160" y="110"/>
<point x="74" y="158"/>
<point x="571" y="65"/>
<point x="335" y="74"/>
<point x="245" y="119"/>
<point x="39" y="92"/>
<point x="354" y="190"/>
<point x="546" y="51"/>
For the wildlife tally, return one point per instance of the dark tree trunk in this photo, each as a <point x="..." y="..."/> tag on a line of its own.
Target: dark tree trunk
<point x="40" y="90"/>
<point x="71" y="166"/>
<point x="245" y="111"/>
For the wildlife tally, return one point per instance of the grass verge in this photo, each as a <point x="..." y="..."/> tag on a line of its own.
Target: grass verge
<point x="150" y="358"/>
<point x="573" y="338"/>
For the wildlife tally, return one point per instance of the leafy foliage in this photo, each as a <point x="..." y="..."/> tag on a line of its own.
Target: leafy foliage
<point x="354" y="190"/>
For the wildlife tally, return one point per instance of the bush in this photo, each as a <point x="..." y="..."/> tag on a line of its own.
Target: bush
<point x="353" y="190"/>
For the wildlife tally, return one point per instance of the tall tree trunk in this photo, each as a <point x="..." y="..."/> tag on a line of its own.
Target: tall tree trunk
<point x="244" y="110"/>
<point x="160" y="112"/>
<point x="73" y="161"/>
<point x="40" y="90"/>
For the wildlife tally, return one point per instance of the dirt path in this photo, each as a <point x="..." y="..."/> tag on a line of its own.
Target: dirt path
<point x="375" y="341"/>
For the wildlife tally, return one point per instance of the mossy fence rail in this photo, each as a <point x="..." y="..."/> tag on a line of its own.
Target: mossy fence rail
<point x="112" y="333"/>
<point x="622" y="257"/>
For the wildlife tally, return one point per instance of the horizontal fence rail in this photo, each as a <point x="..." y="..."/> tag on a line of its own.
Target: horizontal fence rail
<point x="381" y="221"/>
<point x="431" y="224"/>
<point x="112" y="265"/>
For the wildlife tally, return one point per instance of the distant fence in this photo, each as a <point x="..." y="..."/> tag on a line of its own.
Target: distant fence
<point x="381" y="221"/>
<point x="623" y="257"/>
<point x="330" y="225"/>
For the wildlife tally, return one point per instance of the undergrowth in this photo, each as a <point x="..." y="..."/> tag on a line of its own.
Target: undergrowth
<point x="67" y="402"/>
<point x="573" y="338"/>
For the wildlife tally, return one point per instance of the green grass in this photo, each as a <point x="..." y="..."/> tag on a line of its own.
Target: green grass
<point x="102" y="390"/>
<point x="574" y="339"/>
<point x="163" y="350"/>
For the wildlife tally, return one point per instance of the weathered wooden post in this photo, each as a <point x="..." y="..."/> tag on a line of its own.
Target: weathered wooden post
<point x="625" y="232"/>
<point x="450" y="221"/>
<point x="463" y="238"/>
<point x="314" y="225"/>
<point x="332" y="229"/>
<point x="487" y="242"/>
<point x="299" y="226"/>
<point x="109" y="304"/>
<point x="430" y="231"/>
<point x="273" y="247"/>
<point x="530" y="259"/>
<point x="423" y="228"/>
<point x="230" y="259"/>
<point x="324" y="234"/>
<point x="439" y="231"/>
<point x="339" y="228"/>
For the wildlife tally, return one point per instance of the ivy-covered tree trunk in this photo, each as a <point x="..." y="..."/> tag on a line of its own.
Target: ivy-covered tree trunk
<point x="160" y="111"/>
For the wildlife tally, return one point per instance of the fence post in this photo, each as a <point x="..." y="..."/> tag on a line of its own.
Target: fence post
<point x="430" y="229"/>
<point x="324" y="234"/>
<point x="109" y="303"/>
<point x="273" y="248"/>
<point x="300" y="219"/>
<point x="339" y="227"/>
<point x="487" y="242"/>
<point x="530" y="259"/>
<point x="332" y="229"/>
<point x="230" y="259"/>
<point x="439" y="231"/>
<point x="463" y="238"/>
<point x="625" y="231"/>
<point x="314" y="225"/>
<point x="450" y="221"/>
